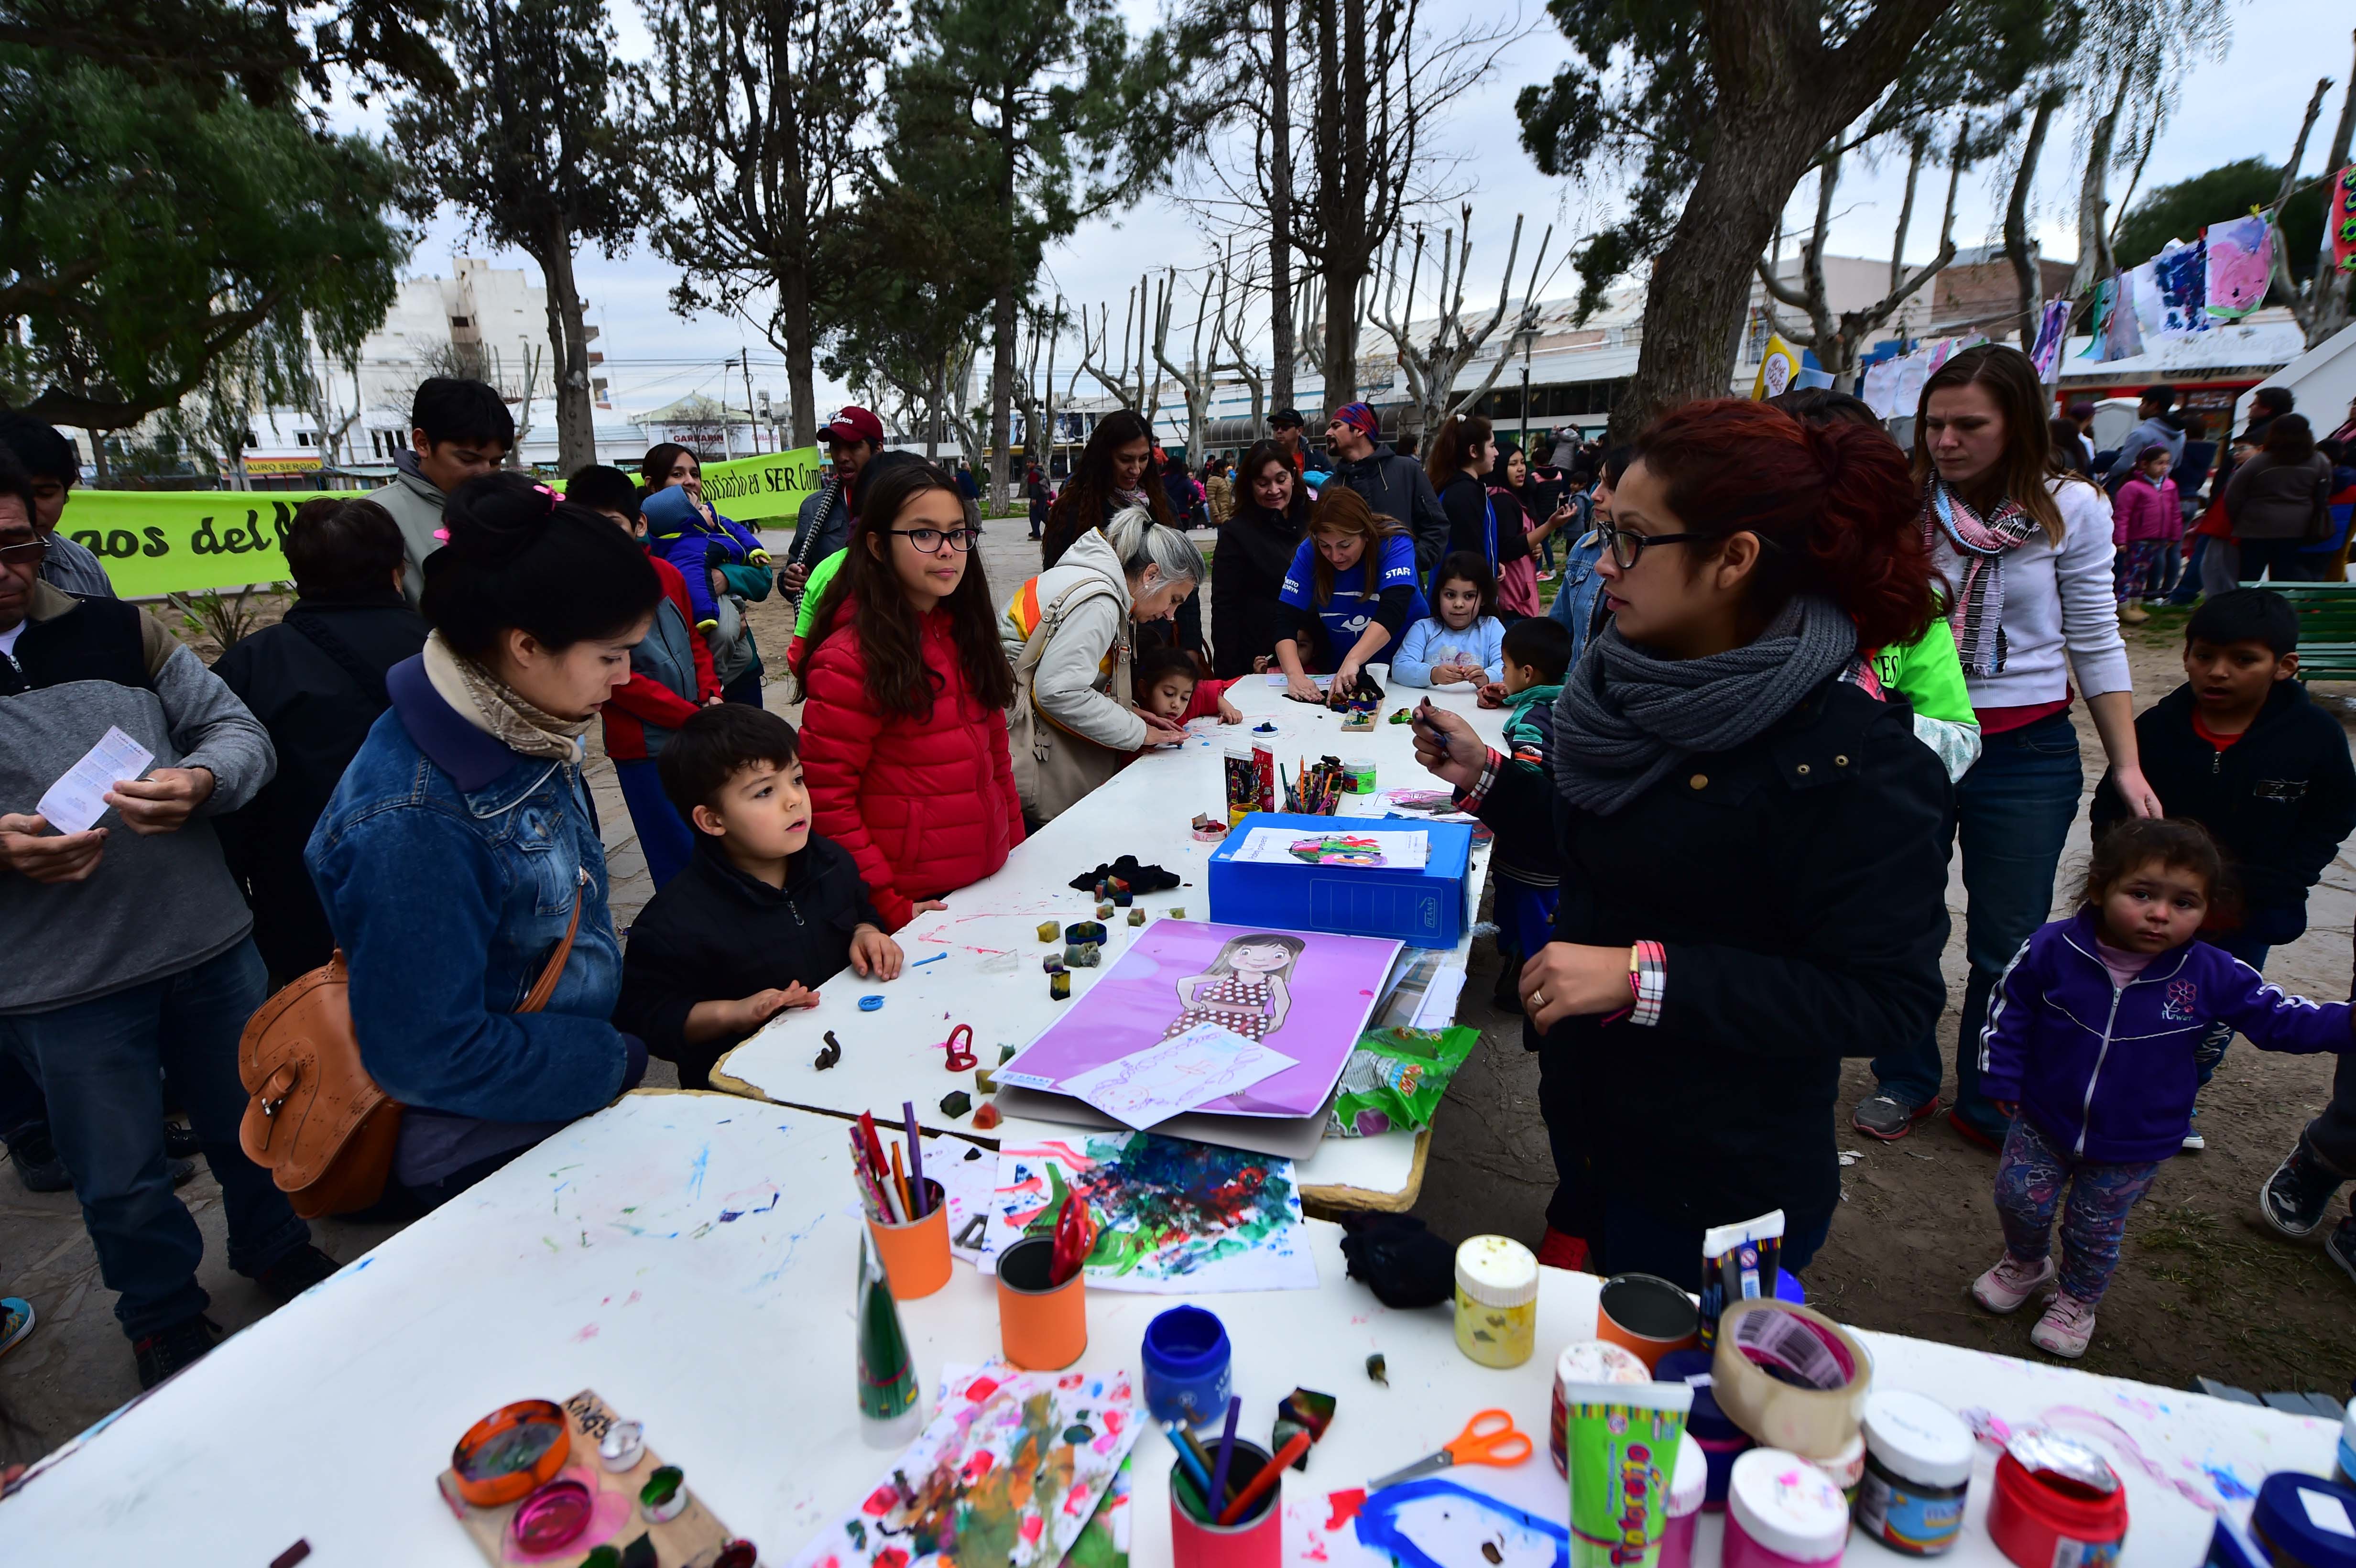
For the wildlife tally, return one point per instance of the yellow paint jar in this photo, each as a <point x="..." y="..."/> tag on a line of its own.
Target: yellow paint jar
<point x="1496" y="1301"/>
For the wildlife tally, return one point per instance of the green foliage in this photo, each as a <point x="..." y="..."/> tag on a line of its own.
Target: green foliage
<point x="1639" y="95"/>
<point x="261" y="50"/>
<point x="2181" y="211"/>
<point x="152" y="229"/>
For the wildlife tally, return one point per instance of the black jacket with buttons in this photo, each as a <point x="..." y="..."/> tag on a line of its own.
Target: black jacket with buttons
<point x="715" y="934"/>
<point x="1798" y="886"/>
<point x="2279" y="801"/>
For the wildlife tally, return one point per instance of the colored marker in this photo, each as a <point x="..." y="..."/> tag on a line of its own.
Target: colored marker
<point x="916" y="1159"/>
<point x="1177" y="1429"/>
<point x="1269" y="1474"/>
<point x="1218" y="1493"/>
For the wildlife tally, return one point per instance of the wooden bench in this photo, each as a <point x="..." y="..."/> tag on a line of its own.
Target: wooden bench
<point x="2327" y="627"/>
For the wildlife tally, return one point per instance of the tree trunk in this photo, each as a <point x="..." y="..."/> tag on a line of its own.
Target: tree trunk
<point x="1279" y="228"/>
<point x="576" y="432"/>
<point x="2016" y="218"/>
<point x="97" y="458"/>
<point x="1005" y="316"/>
<point x="794" y="305"/>
<point x="933" y="417"/>
<point x="2093" y="193"/>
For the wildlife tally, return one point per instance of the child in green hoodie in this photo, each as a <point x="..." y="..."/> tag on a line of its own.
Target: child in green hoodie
<point x="1527" y="867"/>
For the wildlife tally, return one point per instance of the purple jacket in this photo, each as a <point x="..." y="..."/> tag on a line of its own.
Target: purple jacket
<point x="2108" y="1071"/>
<point x="678" y="533"/>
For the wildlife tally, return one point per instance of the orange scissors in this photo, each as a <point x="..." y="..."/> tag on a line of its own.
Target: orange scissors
<point x="1489" y="1438"/>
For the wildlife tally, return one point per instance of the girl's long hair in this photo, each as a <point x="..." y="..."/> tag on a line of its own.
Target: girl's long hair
<point x="2009" y="378"/>
<point x="1342" y="510"/>
<point x="1081" y="506"/>
<point x="1833" y="504"/>
<point x="1459" y="437"/>
<point x="891" y="636"/>
<point x="1224" y="963"/>
<point x="1463" y="566"/>
<point x="1248" y="472"/>
<point x="654" y="468"/>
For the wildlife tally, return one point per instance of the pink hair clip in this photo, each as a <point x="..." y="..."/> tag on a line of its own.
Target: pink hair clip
<point x="553" y="496"/>
<point x="442" y="534"/>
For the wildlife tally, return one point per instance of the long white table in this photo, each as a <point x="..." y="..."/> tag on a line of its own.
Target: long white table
<point x="690" y="1258"/>
<point x="985" y="950"/>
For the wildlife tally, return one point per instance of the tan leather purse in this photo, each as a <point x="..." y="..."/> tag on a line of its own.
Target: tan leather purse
<point x="322" y="1127"/>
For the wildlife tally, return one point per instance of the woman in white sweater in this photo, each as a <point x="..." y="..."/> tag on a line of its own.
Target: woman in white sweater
<point x="2026" y="550"/>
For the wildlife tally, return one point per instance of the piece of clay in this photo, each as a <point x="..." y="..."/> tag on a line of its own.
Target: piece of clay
<point x="1136" y="916"/>
<point x="1059" y="986"/>
<point x="1052" y="965"/>
<point x="985" y="1117"/>
<point x="1401" y="717"/>
<point x="955" y="1103"/>
<point x="1005" y="1054"/>
<point x="1178" y="912"/>
<point x="1104" y="909"/>
<point x="829" y="1054"/>
<point x="871" y="1004"/>
<point x="1118" y="885"/>
<point x="1084" y="931"/>
<point x="1046" y="931"/>
<point x="1123" y="898"/>
<point x="1378" y="1368"/>
<point x="985" y="1079"/>
<point x="1086" y="955"/>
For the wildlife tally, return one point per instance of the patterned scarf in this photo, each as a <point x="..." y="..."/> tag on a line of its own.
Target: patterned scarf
<point x="1978" y="614"/>
<point x="499" y="710"/>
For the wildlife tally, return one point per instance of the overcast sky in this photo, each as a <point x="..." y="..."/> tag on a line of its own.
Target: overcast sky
<point x="2247" y="103"/>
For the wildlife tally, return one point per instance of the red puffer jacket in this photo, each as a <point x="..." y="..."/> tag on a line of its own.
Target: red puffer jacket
<point x="926" y="806"/>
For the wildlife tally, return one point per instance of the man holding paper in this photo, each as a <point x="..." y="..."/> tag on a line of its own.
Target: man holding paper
<point x="128" y="954"/>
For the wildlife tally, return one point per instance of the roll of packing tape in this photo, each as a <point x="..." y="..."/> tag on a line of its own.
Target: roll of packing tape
<point x="1791" y="1377"/>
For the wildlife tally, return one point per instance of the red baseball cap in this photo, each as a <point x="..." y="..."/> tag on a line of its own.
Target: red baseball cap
<point x="856" y="424"/>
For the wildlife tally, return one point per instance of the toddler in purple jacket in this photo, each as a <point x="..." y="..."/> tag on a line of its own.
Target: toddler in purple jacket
<point x="2090" y="1046"/>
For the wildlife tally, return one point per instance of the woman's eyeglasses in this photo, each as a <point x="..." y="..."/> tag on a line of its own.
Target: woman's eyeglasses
<point x="928" y="540"/>
<point x="1627" y="545"/>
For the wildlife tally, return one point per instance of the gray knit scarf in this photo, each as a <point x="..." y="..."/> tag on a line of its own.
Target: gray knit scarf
<point x="1626" y="718"/>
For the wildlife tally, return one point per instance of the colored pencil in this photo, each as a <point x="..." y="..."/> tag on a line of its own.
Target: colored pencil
<point x="1218" y="1492"/>
<point x="1194" y="1446"/>
<point x="1270" y="1473"/>
<point x="916" y="1158"/>
<point x="1177" y="1430"/>
<point x="900" y="1181"/>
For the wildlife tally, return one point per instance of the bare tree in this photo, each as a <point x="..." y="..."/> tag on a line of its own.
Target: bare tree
<point x="1096" y="356"/>
<point x="1835" y="337"/>
<point x="2321" y="308"/>
<point x="1240" y="360"/>
<point x="1195" y="379"/>
<point x="1433" y="364"/>
<point x="2016" y="210"/>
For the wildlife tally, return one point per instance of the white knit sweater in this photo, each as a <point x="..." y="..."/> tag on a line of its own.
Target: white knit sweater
<point x="2060" y="613"/>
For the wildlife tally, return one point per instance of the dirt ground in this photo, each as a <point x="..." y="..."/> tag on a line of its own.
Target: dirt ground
<point x="2203" y="1289"/>
<point x="2202" y="1286"/>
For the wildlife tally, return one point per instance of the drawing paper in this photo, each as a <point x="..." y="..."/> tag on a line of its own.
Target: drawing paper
<point x="1173" y="1076"/>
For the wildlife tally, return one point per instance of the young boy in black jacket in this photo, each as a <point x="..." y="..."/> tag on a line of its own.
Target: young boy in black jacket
<point x="765" y="912"/>
<point x="2240" y="749"/>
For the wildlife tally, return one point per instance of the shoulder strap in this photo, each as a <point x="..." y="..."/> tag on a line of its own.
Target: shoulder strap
<point x="1035" y="647"/>
<point x="545" y="987"/>
<point x="369" y="681"/>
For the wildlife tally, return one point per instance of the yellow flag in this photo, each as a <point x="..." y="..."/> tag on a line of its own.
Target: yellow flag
<point x="1777" y="370"/>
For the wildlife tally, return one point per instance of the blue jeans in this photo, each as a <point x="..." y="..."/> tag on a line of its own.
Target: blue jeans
<point x="2187" y="583"/>
<point x="2012" y="812"/>
<point x="102" y="1063"/>
<point x="745" y="689"/>
<point x="664" y="837"/>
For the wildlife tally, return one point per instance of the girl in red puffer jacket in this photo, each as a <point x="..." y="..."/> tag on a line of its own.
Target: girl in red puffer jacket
<point x="904" y="723"/>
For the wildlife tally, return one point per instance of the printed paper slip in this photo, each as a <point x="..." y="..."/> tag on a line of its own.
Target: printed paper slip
<point x="77" y="801"/>
<point x="1148" y="1087"/>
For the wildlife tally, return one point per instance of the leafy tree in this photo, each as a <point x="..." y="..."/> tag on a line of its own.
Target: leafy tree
<point x="153" y="230"/>
<point x="2181" y="211"/>
<point x="532" y="146"/>
<point x="266" y="51"/>
<point x="755" y="111"/>
<point x="1718" y="107"/>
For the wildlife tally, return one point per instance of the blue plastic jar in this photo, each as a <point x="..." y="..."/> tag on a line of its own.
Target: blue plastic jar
<point x="1721" y="1441"/>
<point x="2292" y="1528"/>
<point x="1186" y="1366"/>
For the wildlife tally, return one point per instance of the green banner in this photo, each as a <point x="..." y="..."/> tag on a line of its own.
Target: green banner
<point x="154" y="542"/>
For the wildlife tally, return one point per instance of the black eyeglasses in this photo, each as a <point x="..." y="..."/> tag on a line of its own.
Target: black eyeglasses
<point x="33" y="549"/>
<point x="928" y="540"/>
<point x="1627" y="545"/>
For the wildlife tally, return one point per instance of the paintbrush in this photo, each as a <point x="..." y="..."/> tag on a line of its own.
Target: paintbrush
<point x="1218" y="1492"/>
<point x="900" y="1182"/>
<point x="915" y="1160"/>
<point x="1189" y="1456"/>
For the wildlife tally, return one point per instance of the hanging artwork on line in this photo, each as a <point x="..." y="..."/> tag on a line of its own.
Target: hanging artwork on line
<point x="2045" y="352"/>
<point x="2181" y="273"/>
<point x="2241" y="256"/>
<point x="2342" y="218"/>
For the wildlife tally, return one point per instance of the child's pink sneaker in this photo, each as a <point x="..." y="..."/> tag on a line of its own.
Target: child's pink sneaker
<point x="2007" y="1287"/>
<point x="2066" y="1326"/>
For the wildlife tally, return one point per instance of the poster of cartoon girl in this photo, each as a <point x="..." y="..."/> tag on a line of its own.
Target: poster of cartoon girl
<point x="1306" y="995"/>
<point x="1244" y="989"/>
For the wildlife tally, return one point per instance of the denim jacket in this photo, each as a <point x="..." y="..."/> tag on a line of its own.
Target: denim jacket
<point x="448" y="865"/>
<point x="1579" y="586"/>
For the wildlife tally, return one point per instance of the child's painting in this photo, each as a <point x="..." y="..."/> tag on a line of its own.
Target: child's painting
<point x="1174" y="1216"/>
<point x="1305" y="994"/>
<point x="1011" y="1471"/>
<point x="2241" y="253"/>
<point x="2052" y="328"/>
<point x="2181" y="275"/>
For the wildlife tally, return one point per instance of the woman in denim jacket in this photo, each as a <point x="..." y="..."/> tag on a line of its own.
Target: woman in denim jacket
<point x="453" y="853"/>
<point x="1578" y="589"/>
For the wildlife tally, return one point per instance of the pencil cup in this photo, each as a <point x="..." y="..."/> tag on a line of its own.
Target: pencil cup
<point x="1254" y="1540"/>
<point x="917" y="1255"/>
<point x="1041" y="1327"/>
<point x="1647" y="1315"/>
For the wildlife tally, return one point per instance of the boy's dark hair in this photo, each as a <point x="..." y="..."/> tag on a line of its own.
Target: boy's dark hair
<point x="15" y="481"/>
<point x="2245" y="615"/>
<point x="2175" y="842"/>
<point x="1541" y="641"/>
<point x="39" y="449"/>
<point x="718" y="743"/>
<point x="2159" y="392"/>
<point x="449" y="408"/>
<point x="338" y="546"/>
<point x="1163" y="660"/>
<point x="604" y="488"/>
<point x="1467" y="567"/>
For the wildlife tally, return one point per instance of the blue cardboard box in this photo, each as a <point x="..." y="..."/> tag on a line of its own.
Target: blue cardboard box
<point x="1423" y="906"/>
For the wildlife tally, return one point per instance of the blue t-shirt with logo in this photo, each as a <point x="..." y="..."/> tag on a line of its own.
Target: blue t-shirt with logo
<point x="1352" y="609"/>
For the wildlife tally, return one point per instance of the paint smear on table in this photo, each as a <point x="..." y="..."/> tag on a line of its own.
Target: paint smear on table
<point x="1011" y="1470"/>
<point x="1436" y="1523"/>
<point x="1174" y="1216"/>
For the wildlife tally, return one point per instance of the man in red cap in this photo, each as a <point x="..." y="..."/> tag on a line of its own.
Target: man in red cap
<point x="854" y="438"/>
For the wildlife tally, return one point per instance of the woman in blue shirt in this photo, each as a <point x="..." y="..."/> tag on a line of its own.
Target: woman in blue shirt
<point x="1352" y="586"/>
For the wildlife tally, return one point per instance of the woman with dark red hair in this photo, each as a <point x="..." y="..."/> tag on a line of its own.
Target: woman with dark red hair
<point x="1753" y="842"/>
